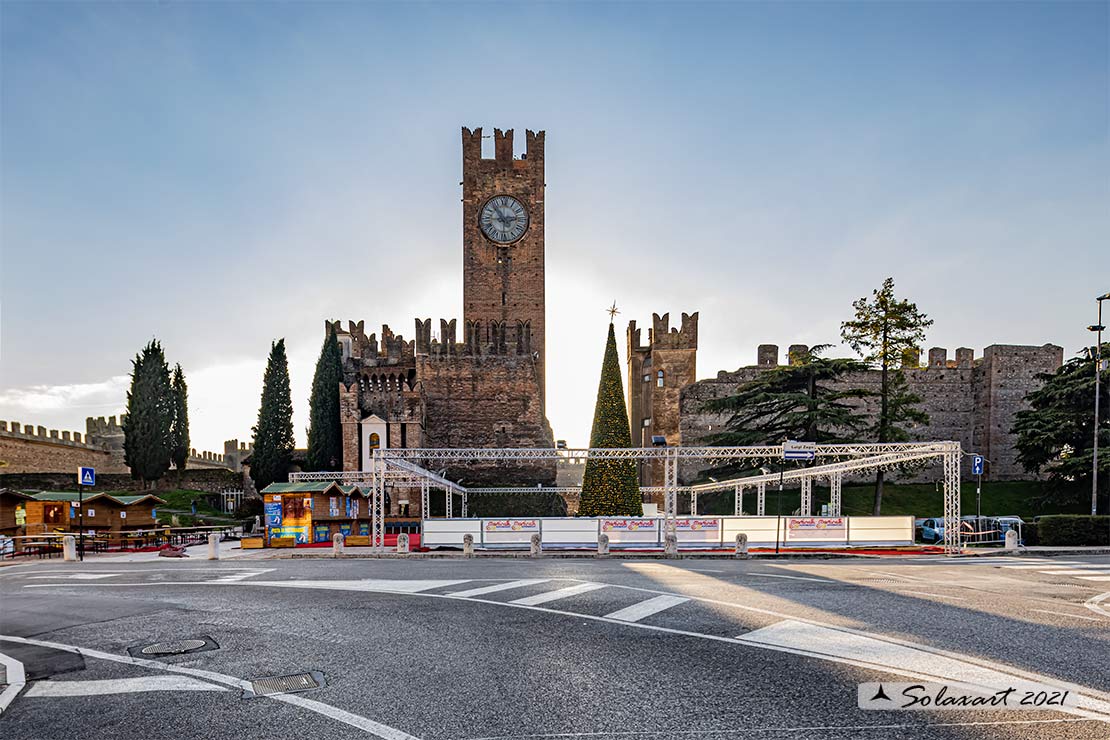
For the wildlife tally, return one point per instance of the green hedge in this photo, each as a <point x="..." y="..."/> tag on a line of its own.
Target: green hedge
<point x="1073" y="529"/>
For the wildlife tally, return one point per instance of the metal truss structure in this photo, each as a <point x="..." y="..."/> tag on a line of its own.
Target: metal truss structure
<point x="406" y="468"/>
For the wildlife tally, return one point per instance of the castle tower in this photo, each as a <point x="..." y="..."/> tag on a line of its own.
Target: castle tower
<point x="503" y="245"/>
<point x="657" y="374"/>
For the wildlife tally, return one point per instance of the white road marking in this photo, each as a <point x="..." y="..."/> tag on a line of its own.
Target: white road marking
<point x="1094" y="578"/>
<point x="1095" y="604"/>
<point x="792" y="578"/>
<point x="1074" y="572"/>
<point x="887" y="574"/>
<point x="499" y="587"/>
<point x="1066" y="614"/>
<point x="1043" y="564"/>
<point x="119" y="686"/>
<point x="232" y="578"/>
<point x="646" y="608"/>
<point x="561" y="593"/>
<point x="382" y="585"/>
<point x="800" y="638"/>
<point x="933" y="595"/>
<point x="15" y="678"/>
<point x="385" y="732"/>
<point x="81" y="576"/>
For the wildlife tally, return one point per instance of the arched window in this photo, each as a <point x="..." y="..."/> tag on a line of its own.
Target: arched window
<point x="659" y="379"/>
<point x="375" y="441"/>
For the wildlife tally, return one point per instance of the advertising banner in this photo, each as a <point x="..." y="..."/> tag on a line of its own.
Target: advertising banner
<point x="364" y="529"/>
<point x="333" y="506"/>
<point x="816" y="528"/>
<point x="320" y="533"/>
<point x="629" y="525"/>
<point x="299" y="534"/>
<point x="273" y="513"/>
<point x="698" y="525"/>
<point x="345" y="529"/>
<point x="512" y="525"/>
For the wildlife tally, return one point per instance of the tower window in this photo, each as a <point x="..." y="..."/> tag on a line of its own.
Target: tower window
<point x="659" y="379"/>
<point x="502" y="299"/>
<point x="375" y="441"/>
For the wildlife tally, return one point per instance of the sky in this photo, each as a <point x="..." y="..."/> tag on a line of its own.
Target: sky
<point x="219" y="175"/>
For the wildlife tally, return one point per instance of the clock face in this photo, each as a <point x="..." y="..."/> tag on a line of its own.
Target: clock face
<point x="503" y="219"/>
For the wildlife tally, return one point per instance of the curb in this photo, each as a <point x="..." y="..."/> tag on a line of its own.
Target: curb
<point x="556" y="555"/>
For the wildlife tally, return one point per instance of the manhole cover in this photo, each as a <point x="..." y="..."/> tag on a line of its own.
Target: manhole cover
<point x="287" y="684"/>
<point x="174" y="647"/>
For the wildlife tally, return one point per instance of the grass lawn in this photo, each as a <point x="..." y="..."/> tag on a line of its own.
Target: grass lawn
<point x="917" y="499"/>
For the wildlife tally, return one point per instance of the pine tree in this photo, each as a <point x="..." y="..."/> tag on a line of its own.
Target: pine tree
<point x="883" y="329"/>
<point x="325" y="437"/>
<point x="146" y="429"/>
<point x="273" y="434"/>
<point x="610" y="487"/>
<point x="805" y="400"/>
<point x="179" y="428"/>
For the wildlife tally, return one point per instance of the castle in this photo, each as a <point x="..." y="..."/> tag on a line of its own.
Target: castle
<point x="484" y="388"/>
<point x="969" y="401"/>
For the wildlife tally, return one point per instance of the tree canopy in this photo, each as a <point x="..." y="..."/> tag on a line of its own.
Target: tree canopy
<point x="805" y="400"/>
<point x="325" y="437"/>
<point x="1055" y="435"/>
<point x="273" y="434"/>
<point x="150" y="411"/>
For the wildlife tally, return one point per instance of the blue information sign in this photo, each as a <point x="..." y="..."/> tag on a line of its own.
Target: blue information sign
<point x="86" y="476"/>
<point x="976" y="464"/>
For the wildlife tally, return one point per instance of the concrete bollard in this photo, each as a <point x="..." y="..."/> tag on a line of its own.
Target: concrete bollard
<point x="670" y="546"/>
<point x="537" y="545"/>
<point x="402" y="543"/>
<point x="468" y="545"/>
<point x="741" y="545"/>
<point x="213" y="546"/>
<point x="1011" y="540"/>
<point x="69" y="548"/>
<point x="337" y="544"/>
<point x="602" y="545"/>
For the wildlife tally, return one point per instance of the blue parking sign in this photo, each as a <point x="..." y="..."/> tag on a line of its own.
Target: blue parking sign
<point x="976" y="464"/>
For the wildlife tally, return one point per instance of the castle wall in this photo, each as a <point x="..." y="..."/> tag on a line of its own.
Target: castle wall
<point x="968" y="401"/>
<point x="26" y="449"/>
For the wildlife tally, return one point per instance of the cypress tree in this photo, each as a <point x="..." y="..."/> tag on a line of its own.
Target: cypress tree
<point x="325" y="440"/>
<point x="610" y="487"/>
<point x="146" y="429"/>
<point x="179" y="428"/>
<point x="273" y="434"/>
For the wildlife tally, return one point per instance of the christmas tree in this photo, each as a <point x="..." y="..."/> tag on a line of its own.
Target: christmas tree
<point x="610" y="486"/>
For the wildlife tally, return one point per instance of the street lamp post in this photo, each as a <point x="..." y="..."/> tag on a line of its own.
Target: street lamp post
<point x="1097" y="328"/>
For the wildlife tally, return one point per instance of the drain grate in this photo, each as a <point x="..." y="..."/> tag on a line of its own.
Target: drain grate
<point x="166" y="648"/>
<point x="173" y="648"/>
<point x="287" y="684"/>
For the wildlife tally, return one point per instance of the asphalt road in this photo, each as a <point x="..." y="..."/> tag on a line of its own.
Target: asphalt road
<point x="579" y="649"/>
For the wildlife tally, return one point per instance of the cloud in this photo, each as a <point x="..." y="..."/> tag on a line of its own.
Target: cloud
<point x="110" y="394"/>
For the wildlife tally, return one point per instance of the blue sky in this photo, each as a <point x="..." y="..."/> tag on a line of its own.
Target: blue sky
<point x="222" y="174"/>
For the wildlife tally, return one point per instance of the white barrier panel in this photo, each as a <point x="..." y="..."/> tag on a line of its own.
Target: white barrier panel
<point x="570" y="532"/>
<point x="449" y="532"/>
<point x="761" y="530"/>
<point x="631" y="532"/>
<point x="699" y="531"/>
<point x="692" y="532"/>
<point x="881" y="530"/>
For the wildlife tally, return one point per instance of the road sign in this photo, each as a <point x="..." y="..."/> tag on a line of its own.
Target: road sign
<point x="976" y="464"/>
<point x="792" y="450"/>
<point x="86" y="476"/>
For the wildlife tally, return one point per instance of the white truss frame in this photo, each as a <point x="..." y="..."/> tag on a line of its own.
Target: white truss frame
<point x="403" y="467"/>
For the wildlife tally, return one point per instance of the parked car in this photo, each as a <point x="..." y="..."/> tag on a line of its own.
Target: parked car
<point x="932" y="529"/>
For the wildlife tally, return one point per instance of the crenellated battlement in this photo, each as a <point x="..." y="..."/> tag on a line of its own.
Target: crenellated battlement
<point x="767" y="355"/>
<point x="503" y="148"/>
<point x="31" y="432"/>
<point x="662" y="336"/>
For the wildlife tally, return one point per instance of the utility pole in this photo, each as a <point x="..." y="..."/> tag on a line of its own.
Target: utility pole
<point x="1097" y="328"/>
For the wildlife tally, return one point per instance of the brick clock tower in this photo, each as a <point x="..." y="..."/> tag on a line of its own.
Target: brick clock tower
<point x="503" y="249"/>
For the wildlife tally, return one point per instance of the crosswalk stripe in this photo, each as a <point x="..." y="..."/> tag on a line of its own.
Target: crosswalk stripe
<point x="119" y="686"/>
<point x="1074" y="572"/>
<point x="1094" y="578"/>
<point x="499" y="587"/>
<point x="561" y="593"/>
<point x="646" y="608"/>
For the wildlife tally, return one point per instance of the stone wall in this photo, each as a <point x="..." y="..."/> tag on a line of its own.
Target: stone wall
<point x="969" y="401"/>
<point x="211" y="481"/>
<point x="27" y="449"/>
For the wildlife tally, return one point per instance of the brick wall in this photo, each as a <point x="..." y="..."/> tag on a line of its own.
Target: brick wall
<point x="27" y="449"/>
